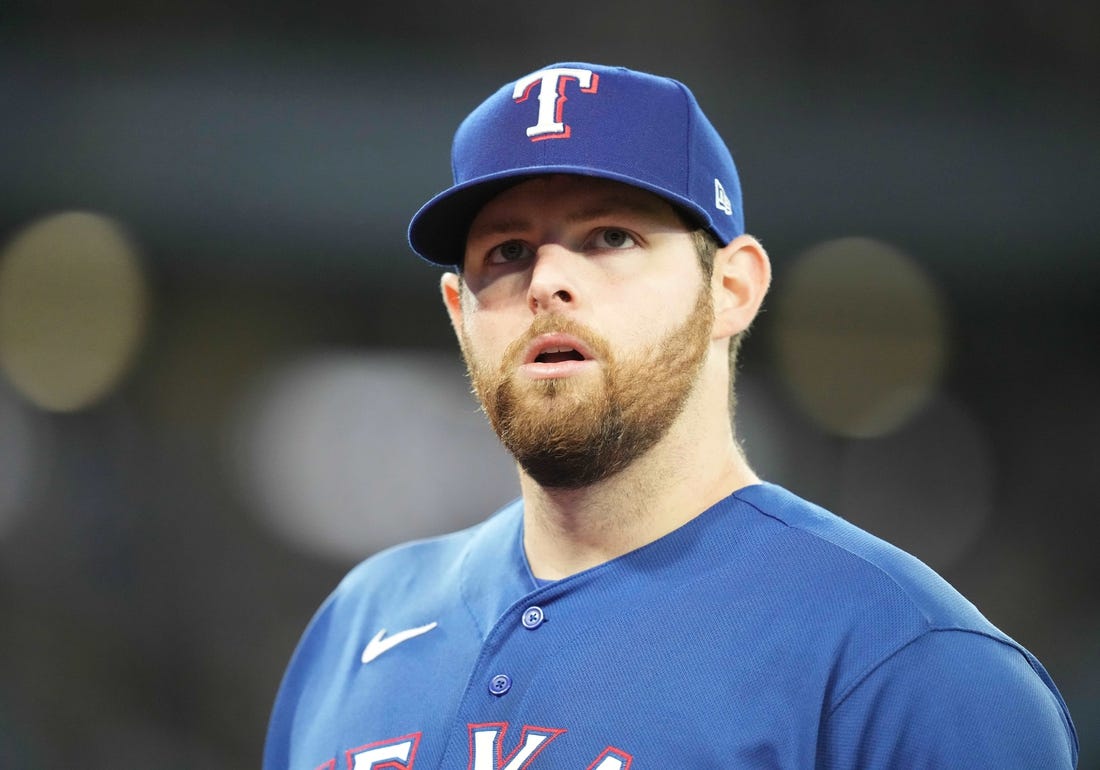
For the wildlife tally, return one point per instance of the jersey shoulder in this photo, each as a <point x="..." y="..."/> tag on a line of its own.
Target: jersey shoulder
<point x="904" y="633"/>
<point x="840" y="559"/>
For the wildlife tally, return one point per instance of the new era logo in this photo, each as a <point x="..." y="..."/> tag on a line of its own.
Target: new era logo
<point x="721" y="200"/>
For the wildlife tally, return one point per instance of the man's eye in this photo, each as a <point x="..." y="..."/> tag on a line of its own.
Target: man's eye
<point x="509" y="251"/>
<point x="613" y="238"/>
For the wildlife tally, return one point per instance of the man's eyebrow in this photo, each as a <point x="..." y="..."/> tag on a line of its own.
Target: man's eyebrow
<point x="499" y="227"/>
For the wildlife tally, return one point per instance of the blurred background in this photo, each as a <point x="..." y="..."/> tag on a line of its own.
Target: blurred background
<point x="224" y="379"/>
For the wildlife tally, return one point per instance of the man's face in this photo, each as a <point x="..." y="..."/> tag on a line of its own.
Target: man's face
<point x="584" y="322"/>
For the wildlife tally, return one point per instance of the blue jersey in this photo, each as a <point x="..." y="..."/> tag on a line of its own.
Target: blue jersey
<point x="764" y="633"/>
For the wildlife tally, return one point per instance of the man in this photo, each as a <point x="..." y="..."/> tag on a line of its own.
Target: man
<point x="648" y="602"/>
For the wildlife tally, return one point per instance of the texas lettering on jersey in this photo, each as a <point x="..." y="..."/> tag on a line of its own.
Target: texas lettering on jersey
<point x="486" y="751"/>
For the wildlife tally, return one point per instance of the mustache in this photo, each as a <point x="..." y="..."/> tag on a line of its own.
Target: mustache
<point x="552" y="324"/>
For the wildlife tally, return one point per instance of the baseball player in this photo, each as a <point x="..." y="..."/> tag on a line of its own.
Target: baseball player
<point x="648" y="602"/>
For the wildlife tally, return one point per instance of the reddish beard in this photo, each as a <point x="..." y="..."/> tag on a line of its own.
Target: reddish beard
<point x="570" y="433"/>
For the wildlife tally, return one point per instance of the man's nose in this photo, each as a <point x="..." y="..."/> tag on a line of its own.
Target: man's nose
<point x="553" y="284"/>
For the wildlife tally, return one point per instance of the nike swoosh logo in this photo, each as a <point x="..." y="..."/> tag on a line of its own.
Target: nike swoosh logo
<point x="378" y="645"/>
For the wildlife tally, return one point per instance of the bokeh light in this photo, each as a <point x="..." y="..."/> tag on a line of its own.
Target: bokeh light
<point x="22" y="440"/>
<point x="781" y="443"/>
<point x="928" y="487"/>
<point x="341" y="454"/>
<point x="860" y="336"/>
<point x="73" y="306"/>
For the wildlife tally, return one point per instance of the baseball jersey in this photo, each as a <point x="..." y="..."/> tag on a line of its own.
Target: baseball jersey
<point x="764" y="633"/>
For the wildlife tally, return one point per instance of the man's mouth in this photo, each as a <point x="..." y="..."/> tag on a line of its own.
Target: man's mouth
<point x="558" y="354"/>
<point x="554" y="348"/>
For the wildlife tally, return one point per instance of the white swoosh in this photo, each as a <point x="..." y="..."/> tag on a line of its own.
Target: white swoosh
<point x="378" y="645"/>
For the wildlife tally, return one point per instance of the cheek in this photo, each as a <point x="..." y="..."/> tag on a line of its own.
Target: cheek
<point x="651" y="314"/>
<point x="486" y="335"/>
<point x="502" y="290"/>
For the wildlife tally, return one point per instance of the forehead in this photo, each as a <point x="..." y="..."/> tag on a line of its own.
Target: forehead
<point x="571" y="197"/>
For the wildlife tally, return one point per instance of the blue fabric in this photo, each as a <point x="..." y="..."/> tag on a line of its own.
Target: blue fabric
<point x="640" y="129"/>
<point x="766" y="632"/>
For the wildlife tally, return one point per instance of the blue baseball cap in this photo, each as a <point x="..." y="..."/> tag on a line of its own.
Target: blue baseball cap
<point x="589" y="119"/>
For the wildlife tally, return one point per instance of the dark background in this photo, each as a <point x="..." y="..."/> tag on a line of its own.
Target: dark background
<point x="265" y="162"/>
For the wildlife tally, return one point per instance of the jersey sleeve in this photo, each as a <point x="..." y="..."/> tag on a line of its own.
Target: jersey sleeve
<point x="951" y="698"/>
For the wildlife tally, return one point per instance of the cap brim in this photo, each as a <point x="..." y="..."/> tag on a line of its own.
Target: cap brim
<point x="438" y="230"/>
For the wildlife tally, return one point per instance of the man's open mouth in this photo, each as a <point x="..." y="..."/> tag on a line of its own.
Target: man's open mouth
<point x="556" y="348"/>
<point x="557" y="354"/>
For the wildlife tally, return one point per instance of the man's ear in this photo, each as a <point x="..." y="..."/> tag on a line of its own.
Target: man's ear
<point x="741" y="276"/>
<point x="451" y="286"/>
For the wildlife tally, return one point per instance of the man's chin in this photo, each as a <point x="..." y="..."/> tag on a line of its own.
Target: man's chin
<point x="557" y="394"/>
<point x="535" y="412"/>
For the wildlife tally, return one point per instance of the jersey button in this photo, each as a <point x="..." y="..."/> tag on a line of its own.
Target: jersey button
<point x="533" y="617"/>
<point x="500" y="684"/>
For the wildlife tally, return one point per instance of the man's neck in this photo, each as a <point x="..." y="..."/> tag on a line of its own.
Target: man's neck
<point x="570" y="530"/>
